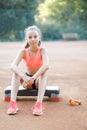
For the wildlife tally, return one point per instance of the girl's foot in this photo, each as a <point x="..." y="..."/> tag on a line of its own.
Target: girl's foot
<point x="13" y="108"/>
<point x="37" y="110"/>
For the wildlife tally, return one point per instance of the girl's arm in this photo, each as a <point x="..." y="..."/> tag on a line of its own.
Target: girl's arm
<point x="45" y="65"/>
<point x="15" y="63"/>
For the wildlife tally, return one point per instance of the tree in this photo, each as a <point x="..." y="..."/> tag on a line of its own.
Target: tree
<point x="15" y="15"/>
<point x="69" y="15"/>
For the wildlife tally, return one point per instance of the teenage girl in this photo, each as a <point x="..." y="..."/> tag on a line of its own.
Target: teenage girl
<point x="37" y="63"/>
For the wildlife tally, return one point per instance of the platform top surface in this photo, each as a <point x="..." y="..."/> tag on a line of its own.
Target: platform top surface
<point x="47" y="88"/>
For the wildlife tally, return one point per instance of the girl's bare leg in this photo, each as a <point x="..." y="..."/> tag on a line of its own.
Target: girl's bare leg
<point x="15" y="85"/>
<point x="42" y="86"/>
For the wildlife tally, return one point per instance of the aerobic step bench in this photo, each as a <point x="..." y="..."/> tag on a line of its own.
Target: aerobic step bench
<point x="53" y="92"/>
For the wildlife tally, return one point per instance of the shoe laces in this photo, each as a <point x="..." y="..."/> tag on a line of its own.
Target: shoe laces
<point x="38" y="104"/>
<point x="12" y="104"/>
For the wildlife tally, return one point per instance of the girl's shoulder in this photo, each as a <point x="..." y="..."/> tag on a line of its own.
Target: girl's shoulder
<point x="21" y="52"/>
<point x="43" y="50"/>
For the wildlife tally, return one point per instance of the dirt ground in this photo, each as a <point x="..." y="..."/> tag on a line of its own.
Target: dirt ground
<point x="68" y="70"/>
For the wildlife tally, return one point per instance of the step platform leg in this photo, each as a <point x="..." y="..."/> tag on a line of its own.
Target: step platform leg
<point x="53" y="92"/>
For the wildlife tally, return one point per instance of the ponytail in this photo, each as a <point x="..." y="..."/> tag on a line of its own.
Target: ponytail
<point x="39" y="43"/>
<point x="26" y="46"/>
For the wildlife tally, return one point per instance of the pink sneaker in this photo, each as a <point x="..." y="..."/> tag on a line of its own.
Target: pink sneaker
<point x="38" y="109"/>
<point x="13" y="108"/>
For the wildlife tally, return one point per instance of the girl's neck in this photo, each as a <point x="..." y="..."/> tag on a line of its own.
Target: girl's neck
<point x="33" y="49"/>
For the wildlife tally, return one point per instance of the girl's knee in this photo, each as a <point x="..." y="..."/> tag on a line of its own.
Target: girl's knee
<point x="45" y="74"/>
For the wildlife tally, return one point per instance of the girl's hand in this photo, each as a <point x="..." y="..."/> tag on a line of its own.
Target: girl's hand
<point x="29" y="83"/>
<point x="26" y="78"/>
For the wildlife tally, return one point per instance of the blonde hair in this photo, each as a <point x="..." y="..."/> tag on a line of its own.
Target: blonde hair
<point x="35" y="28"/>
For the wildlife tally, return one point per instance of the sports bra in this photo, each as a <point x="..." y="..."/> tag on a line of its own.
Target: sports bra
<point x="34" y="61"/>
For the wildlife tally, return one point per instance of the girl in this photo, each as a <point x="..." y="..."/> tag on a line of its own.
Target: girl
<point x="37" y="64"/>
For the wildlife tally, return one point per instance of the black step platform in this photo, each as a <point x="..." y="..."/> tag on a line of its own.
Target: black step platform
<point x="52" y="92"/>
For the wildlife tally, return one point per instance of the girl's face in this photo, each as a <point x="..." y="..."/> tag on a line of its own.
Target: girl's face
<point x="33" y="38"/>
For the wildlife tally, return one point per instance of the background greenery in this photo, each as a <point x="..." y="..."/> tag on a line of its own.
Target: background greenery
<point x="54" y="17"/>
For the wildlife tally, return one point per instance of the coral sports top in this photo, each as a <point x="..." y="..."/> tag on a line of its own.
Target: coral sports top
<point x="34" y="61"/>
